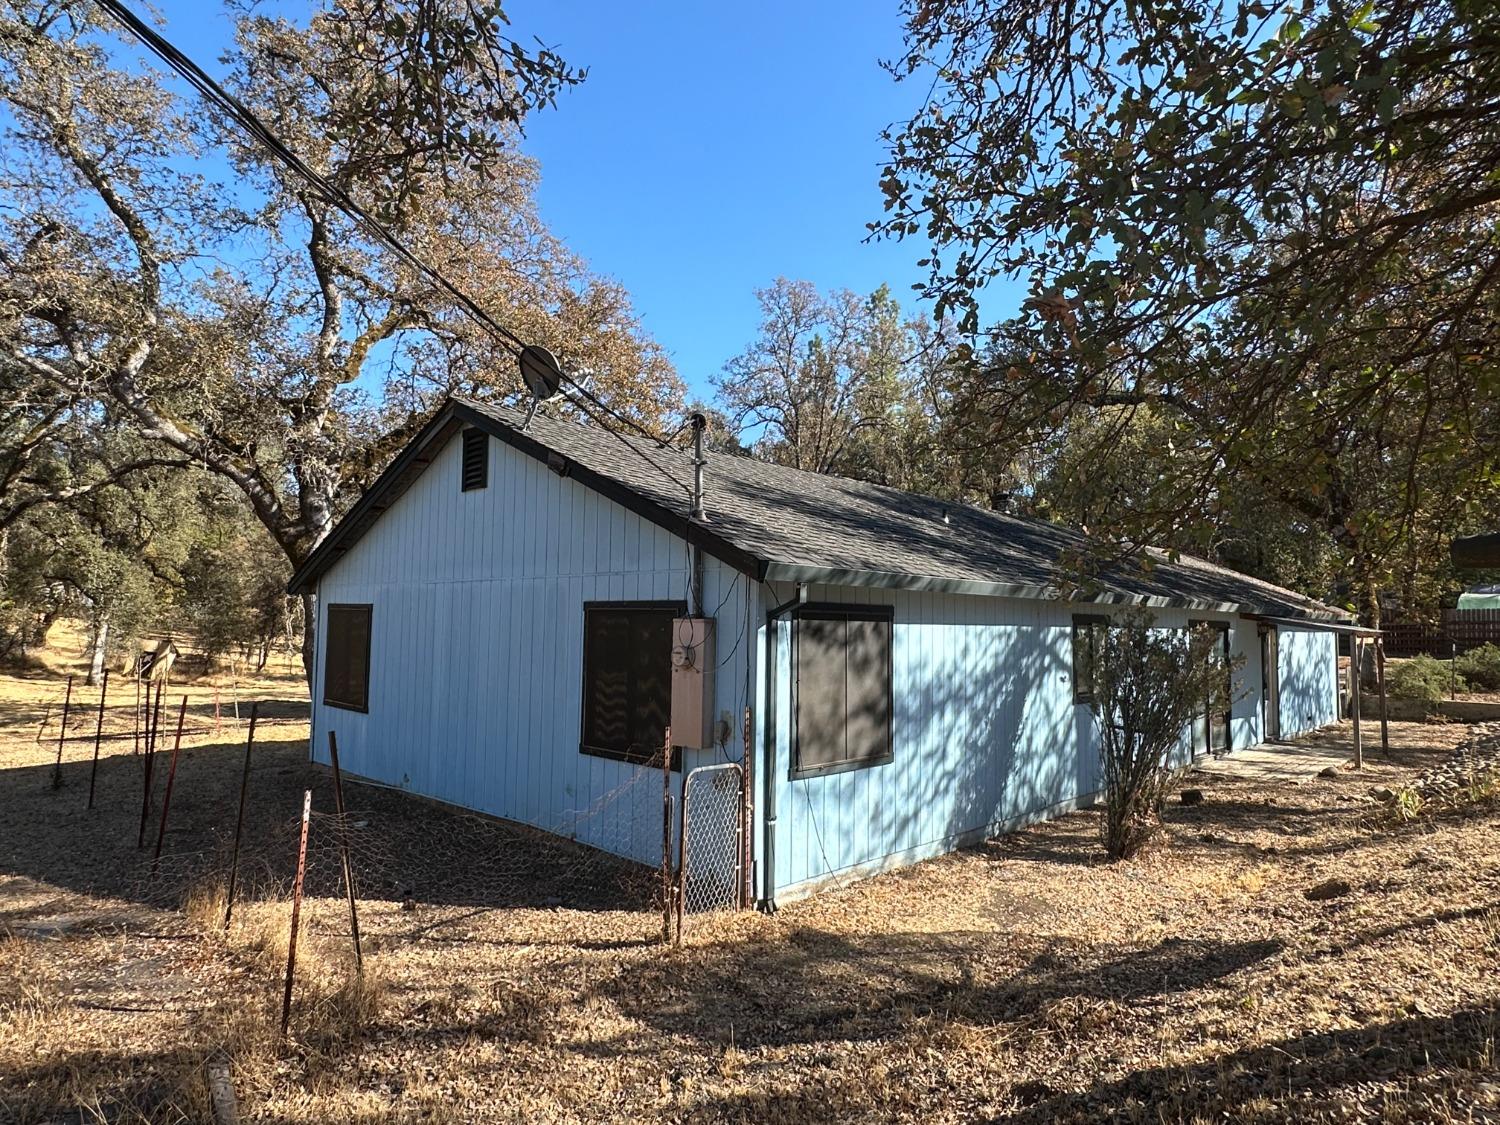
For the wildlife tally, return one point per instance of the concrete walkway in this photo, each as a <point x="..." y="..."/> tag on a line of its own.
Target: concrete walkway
<point x="1302" y="757"/>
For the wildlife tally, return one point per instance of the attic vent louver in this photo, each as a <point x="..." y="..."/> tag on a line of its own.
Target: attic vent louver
<point x="476" y="472"/>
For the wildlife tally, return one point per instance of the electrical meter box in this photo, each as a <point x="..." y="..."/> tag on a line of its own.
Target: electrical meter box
<point x="693" y="682"/>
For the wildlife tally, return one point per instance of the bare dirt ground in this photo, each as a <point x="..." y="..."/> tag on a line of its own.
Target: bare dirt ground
<point x="1024" y="981"/>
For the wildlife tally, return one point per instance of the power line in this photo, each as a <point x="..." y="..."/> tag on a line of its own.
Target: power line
<point x="336" y="196"/>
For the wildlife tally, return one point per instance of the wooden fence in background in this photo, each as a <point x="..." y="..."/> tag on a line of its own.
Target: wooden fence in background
<point x="1463" y="628"/>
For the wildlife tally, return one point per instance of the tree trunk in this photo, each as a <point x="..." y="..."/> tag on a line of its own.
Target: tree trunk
<point x="309" y="634"/>
<point x="100" y="647"/>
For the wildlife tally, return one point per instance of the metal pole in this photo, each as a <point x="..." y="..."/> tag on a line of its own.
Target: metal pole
<point x="98" y="734"/>
<point x="338" y="804"/>
<point x="747" y="812"/>
<point x="1385" y="731"/>
<point x="166" y="800"/>
<point x="1452" y="669"/>
<point x="666" y="836"/>
<point x="136" y="748"/>
<point x="239" y="821"/>
<point x="680" y="883"/>
<point x="61" y="734"/>
<point x="153" y="722"/>
<point x="291" y="945"/>
<point x="218" y="721"/>
<point x="1356" y="649"/>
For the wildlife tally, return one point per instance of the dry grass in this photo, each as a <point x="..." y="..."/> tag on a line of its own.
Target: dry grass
<point x="1019" y="982"/>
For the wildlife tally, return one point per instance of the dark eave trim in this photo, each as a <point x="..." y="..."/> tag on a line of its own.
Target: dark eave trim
<point x="418" y="454"/>
<point x="1348" y="628"/>
<point x="698" y="534"/>
<point x="891" y="580"/>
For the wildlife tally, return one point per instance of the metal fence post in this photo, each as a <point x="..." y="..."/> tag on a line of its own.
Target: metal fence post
<point x="1385" y="727"/>
<point x="61" y="734"/>
<point x="666" y="836"/>
<point x="98" y="734"/>
<point x="166" y="800"/>
<point x="291" y="945"/>
<point x="338" y="804"/>
<point x="153" y="720"/>
<point x="239" y="820"/>
<point x="679" y="889"/>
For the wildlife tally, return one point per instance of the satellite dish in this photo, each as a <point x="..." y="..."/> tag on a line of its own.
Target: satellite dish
<point x="540" y="371"/>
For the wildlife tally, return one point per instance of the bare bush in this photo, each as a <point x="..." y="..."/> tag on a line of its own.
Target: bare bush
<point x="1149" y="684"/>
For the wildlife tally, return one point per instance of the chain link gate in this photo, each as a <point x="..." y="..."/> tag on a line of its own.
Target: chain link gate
<point x="711" y="868"/>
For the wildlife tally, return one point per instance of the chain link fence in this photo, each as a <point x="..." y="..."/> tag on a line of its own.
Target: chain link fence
<point x="711" y="854"/>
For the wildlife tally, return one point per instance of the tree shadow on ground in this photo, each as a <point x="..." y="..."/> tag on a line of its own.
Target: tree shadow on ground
<point x="814" y="985"/>
<point x="1422" y="1060"/>
<point x="401" y="847"/>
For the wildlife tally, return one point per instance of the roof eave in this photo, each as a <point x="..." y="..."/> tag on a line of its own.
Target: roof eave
<point x="414" y="459"/>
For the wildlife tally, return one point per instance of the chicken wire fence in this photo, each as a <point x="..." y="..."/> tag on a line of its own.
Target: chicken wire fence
<point x="419" y="853"/>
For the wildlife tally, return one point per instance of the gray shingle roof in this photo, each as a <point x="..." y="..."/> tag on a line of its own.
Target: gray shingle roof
<point x="802" y="525"/>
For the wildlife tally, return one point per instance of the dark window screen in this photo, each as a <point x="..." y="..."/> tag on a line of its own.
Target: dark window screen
<point x="627" y="679"/>
<point x="346" y="667"/>
<point x="1211" y="730"/>
<point x="844" y="674"/>
<point x="476" y="472"/>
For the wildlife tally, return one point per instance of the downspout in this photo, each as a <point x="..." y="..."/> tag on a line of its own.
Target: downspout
<point x="768" y="755"/>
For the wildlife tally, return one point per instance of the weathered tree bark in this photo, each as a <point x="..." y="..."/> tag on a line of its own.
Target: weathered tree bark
<point x="100" y="646"/>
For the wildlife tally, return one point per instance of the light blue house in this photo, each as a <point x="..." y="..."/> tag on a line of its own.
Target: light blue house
<point x="496" y="630"/>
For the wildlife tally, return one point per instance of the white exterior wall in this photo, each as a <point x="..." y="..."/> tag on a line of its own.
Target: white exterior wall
<point x="476" y="681"/>
<point x="1308" y="663"/>
<point x="476" y="651"/>
<point x="986" y="734"/>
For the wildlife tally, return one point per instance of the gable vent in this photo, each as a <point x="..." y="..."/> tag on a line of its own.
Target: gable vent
<point x="476" y="459"/>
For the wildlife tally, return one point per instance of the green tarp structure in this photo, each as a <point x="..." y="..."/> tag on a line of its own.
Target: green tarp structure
<point x="1480" y="597"/>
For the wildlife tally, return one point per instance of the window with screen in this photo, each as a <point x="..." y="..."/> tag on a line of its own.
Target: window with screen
<point x="346" y="665"/>
<point x="627" y="678"/>
<point x="476" y="473"/>
<point x="841" y="661"/>
<point x="1088" y="641"/>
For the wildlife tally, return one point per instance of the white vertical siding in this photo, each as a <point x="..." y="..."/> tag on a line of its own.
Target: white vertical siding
<point x="477" y="647"/>
<point x="986" y="733"/>
<point x="476" y="681"/>
<point x="1307" y="663"/>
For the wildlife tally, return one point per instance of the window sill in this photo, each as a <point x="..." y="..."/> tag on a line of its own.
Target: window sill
<point x="365" y="710"/>
<point x="842" y="767"/>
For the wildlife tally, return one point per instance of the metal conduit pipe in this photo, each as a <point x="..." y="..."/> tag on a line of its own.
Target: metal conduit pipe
<point x="768" y="755"/>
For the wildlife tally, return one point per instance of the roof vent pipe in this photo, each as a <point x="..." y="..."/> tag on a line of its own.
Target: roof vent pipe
<point x="699" y="424"/>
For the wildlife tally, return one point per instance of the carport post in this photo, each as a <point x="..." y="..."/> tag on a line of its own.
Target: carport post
<point x="1385" y="731"/>
<point x="1356" y="651"/>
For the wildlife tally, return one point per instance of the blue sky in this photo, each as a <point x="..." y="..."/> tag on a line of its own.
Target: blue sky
<point x="712" y="148"/>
